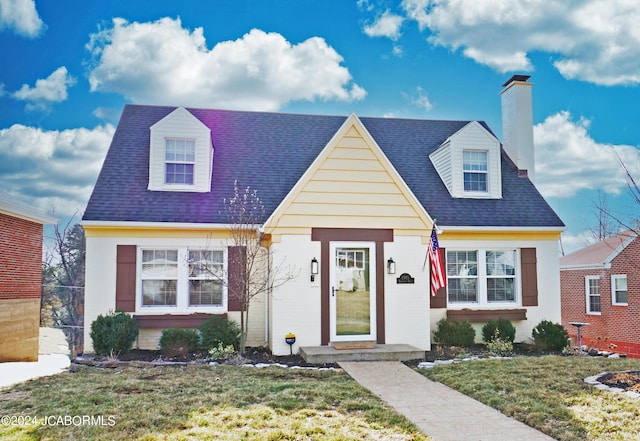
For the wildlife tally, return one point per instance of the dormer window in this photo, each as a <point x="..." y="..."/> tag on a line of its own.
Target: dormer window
<point x="475" y="170"/>
<point x="179" y="159"/>
<point x="180" y="154"/>
<point x="468" y="162"/>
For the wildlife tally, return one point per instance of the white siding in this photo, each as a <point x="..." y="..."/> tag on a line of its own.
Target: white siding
<point x="447" y="160"/>
<point x="441" y="160"/>
<point x="295" y="306"/>
<point x="407" y="313"/>
<point x="182" y="125"/>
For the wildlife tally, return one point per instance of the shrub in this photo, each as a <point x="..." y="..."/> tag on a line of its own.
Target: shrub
<point x="114" y="333"/>
<point x="179" y="342"/>
<point x="501" y="328"/>
<point x="499" y="346"/>
<point x="454" y="333"/>
<point x="219" y="330"/>
<point x="550" y="336"/>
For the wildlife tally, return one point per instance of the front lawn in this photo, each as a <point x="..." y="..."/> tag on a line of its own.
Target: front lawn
<point x="198" y="403"/>
<point x="548" y="393"/>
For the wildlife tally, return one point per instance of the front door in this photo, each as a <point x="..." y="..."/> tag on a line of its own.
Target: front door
<point x="352" y="296"/>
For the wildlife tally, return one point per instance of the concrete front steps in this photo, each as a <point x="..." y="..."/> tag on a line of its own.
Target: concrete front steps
<point x="360" y="351"/>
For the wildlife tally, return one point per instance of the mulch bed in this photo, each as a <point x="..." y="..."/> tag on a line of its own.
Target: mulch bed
<point x="628" y="381"/>
<point x="144" y="358"/>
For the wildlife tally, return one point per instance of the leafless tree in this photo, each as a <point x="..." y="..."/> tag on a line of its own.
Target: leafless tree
<point x="623" y="221"/>
<point x="252" y="269"/>
<point x="63" y="282"/>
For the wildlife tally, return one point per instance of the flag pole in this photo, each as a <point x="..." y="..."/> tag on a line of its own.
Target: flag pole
<point x="424" y="264"/>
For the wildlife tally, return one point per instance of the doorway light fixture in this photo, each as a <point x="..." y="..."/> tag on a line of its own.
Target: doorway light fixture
<point x="391" y="266"/>
<point x="314" y="269"/>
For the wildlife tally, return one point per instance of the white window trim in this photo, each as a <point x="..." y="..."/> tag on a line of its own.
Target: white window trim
<point x="615" y="277"/>
<point x="182" y="294"/>
<point x="179" y="187"/>
<point x="587" y="294"/>
<point x="482" y="278"/>
<point x="475" y="193"/>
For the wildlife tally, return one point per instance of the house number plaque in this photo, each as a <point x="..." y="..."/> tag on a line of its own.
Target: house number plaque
<point x="405" y="278"/>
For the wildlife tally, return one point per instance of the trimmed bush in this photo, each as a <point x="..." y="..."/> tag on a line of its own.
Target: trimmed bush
<point x="114" y="333"/>
<point x="219" y="330"/>
<point x="549" y="336"/>
<point x="454" y="333"/>
<point x="501" y="328"/>
<point x="176" y="342"/>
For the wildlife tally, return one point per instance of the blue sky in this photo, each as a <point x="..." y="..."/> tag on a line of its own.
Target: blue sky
<point x="68" y="68"/>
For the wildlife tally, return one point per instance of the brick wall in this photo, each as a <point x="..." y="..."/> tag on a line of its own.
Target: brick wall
<point x="20" y="285"/>
<point x="20" y="258"/>
<point x="618" y="325"/>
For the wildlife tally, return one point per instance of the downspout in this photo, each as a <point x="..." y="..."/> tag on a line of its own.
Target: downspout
<point x="260" y="230"/>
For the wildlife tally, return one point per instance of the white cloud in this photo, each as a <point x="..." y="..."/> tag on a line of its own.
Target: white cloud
<point x="52" y="168"/>
<point x="21" y="16"/>
<point x="568" y="160"/>
<point x="52" y="89"/>
<point x="387" y="25"/>
<point x="421" y="100"/>
<point x="573" y="242"/>
<point x="591" y="40"/>
<point x="162" y="62"/>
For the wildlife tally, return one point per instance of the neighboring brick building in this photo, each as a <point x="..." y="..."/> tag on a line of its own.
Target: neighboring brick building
<point x="21" y="231"/>
<point x="600" y="285"/>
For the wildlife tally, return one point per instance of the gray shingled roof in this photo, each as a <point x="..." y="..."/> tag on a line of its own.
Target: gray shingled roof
<point x="270" y="151"/>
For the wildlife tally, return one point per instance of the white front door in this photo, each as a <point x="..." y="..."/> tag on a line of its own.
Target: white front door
<point x="353" y="291"/>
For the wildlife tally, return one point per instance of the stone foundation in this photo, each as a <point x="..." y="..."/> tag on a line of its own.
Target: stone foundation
<point x="19" y="328"/>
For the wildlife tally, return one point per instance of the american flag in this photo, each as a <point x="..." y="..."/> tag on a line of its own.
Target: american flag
<point x="437" y="268"/>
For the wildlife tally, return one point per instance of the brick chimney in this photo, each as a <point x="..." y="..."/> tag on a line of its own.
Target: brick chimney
<point x="517" y="123"/>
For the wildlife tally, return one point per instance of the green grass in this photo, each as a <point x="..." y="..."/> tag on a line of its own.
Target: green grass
<point x="548" y="393"/>
<point x="202" y="402"/>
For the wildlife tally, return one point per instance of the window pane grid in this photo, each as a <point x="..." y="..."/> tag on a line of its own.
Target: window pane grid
<point x="462" y="271"/>
<point x="179" y="161"/>
<point x="475" y="168"/>
<point x="205" y="277"/>
<point x="593" y="294"/>
<point x="182" y="277"/>
<point x="620" y="290"/>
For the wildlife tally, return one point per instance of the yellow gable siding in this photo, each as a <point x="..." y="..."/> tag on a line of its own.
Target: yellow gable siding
<point x="351" y="187"/>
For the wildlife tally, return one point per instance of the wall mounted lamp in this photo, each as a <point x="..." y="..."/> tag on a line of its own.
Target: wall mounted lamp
<point x="314" y="269"/>
<point x="391" y="266"/>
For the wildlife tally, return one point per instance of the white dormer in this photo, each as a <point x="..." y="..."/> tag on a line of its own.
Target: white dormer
<point x="181" y="154"/>
<point x="468" y="163"/>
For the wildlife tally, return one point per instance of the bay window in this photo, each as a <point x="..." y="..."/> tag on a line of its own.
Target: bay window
<point x="481" y="277"/>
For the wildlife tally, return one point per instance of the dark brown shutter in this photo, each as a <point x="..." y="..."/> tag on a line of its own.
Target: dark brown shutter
<point x="126" y="278"/>
<point x="528" y="266"/>
<point x="236" y="260"/>
<point x="439" y="301"/>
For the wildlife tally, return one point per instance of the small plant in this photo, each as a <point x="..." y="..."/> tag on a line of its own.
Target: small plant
<point x="113" y="334"/>
<point x="501" y="328"/>
<point x="222" y="352"/>
<point x="499" y="346"/>
<point x="454" y="333"/>
<point x="219" y="330"/>
<point x="179" y="342"/>
<point x="549" y="336"/>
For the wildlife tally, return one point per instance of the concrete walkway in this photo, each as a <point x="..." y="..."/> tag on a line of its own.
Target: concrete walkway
<point x="53" y="358"/>
<point x="439" y="411"/>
